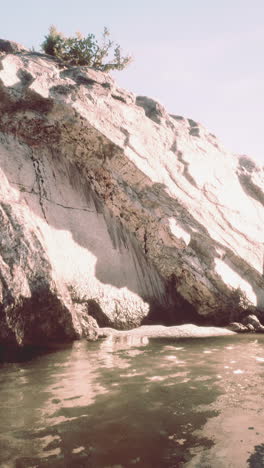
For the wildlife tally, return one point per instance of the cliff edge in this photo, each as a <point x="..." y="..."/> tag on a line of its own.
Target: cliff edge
<point x="114" y="212"/>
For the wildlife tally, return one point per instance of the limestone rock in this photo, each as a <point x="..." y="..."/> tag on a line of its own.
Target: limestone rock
<point x="153" y="109"/>
<point x="109" y="202"/>
<point x="254" y="322"/>
<point x="238" y="327"/>
<point x="88" y="326"/>
<point x="11" y="47"/>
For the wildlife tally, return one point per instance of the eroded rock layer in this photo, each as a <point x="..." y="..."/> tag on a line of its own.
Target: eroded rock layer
<point x="113" y="210"/>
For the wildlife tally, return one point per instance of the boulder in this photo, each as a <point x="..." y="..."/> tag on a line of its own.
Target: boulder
<point x="254" y="322"/>
<point x="238" y="327"/>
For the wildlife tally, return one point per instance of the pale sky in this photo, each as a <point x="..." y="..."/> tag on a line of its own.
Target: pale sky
<point x="203" y="59"/>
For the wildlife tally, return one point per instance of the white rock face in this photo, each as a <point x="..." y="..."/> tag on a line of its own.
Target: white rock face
<point x="116" y="209"/>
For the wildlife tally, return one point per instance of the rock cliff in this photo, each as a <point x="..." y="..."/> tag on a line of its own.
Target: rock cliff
<point x="113" y="211"/>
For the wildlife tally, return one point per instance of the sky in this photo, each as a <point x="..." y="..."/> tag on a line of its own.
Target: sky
<point x="202" y="59"/>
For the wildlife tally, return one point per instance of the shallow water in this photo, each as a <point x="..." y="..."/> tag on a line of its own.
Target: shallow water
<point x="114" y="403"/>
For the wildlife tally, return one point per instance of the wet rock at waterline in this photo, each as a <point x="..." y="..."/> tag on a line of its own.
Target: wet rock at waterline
<point x="115" y="210"/>
<point x="254" y="322"/>
<point x="250" y="323"/>
<point x="238" y="327"/>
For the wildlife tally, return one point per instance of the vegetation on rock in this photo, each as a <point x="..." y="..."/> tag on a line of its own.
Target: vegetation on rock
<point x="238" y="305"/>
<point x="86" y="51"/>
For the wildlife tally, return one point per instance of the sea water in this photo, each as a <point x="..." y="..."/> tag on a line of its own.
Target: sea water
<point x="135" y="403"/>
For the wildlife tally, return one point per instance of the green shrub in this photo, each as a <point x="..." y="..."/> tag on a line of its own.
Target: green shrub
<point x="85" y="51"/>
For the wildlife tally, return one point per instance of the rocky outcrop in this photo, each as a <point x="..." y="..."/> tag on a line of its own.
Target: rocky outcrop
<point x="250" y="323"/>
<point x="253" y="321"/>
<point x="11" y="47"/>
<point x="238" y="327"/>
<point x="113" y="209"/>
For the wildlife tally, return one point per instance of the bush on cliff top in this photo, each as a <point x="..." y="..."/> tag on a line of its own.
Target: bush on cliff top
<point x="85" y="51"/>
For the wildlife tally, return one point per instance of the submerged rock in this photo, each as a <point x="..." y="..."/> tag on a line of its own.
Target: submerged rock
<point x="108" y="202"/>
